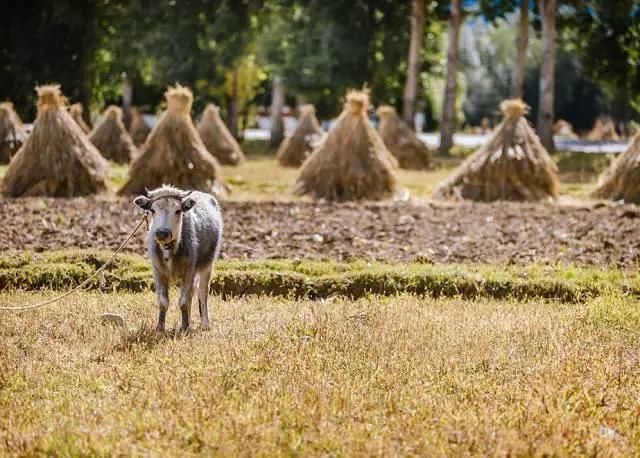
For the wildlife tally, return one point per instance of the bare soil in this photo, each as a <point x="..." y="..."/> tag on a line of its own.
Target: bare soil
<point x="589" y="234"/>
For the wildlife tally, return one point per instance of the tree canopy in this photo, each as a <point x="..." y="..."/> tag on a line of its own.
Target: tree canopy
<point x="229" y="50"/>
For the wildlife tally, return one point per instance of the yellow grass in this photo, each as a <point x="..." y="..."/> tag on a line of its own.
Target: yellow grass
<point x="377" y="376"/>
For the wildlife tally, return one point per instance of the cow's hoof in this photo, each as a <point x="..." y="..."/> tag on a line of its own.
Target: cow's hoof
<point x="205" y="327"/>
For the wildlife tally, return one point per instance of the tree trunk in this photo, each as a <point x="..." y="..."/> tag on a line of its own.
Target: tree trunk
<point x="448" y="121"/>
<point x="547" y="73"/>
<point x="277" y="103"/>
<point x="232" y="108"/>
<point x="520" y="63"/>
<point x="413" y="62"/>
<point x="127" y="101"/>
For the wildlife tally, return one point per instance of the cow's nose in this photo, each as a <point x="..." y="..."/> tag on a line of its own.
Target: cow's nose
<point x="163" y="234"/>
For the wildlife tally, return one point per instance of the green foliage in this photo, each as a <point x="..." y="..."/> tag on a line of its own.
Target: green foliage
<point x="612" y="31"/>
<point x="322" y="279"/>
<point x="43" y="41"/>
<point x="323" y="48"/>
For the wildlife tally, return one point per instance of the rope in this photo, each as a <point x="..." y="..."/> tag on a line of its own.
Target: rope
<point x="84" y="283"/>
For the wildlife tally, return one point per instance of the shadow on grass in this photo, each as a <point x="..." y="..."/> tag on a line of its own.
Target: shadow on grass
<point x="147" y="338"/>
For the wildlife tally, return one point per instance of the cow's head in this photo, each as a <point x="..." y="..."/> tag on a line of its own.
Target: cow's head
<point x="166" y="206"/>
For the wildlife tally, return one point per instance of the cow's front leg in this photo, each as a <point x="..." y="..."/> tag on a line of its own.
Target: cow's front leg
<point x="162" y="291"/>
<point x="186" y="294"/>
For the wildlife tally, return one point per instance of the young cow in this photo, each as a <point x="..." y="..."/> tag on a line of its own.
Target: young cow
<point x="184" y="239"/>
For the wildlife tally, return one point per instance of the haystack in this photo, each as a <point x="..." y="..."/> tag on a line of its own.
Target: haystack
<point x="295" y="149"/>
<point x="352" y="163"/>
<point x="621" y="181"/>
<point x="11" y="132"/>
<point x="76" y="110"/>
<point x="218" y="139"/>
<point x="112" y="139"/>
<point x="603" y="131"/>
<point x="513" y="165"/>
<point x="410" y="152"/>
<point x="57" y="159"/>
<point x="564" y="129"/>
<point x="138" y="128"/>
<point x="174" y="153"/>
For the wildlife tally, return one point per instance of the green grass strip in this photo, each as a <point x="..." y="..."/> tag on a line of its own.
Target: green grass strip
<point x="62" y="270"/>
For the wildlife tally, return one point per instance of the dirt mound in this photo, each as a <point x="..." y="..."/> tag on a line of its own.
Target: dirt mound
<point x="174" y="153"/>
<point x="352" y="163"/>
<point x="112" y="139"/>
<point x="513" y="165"/>
<point x="502" y="232"/>
<point x="57" y="159"/>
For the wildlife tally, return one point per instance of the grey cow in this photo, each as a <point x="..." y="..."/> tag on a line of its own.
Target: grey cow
<point x="184" y="239"/>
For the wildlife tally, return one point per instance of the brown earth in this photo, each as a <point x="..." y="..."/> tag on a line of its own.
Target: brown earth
<point x="468" y="232"/>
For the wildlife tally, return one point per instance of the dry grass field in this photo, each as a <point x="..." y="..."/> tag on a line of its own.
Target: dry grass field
<point x="324" y="358"/>
<point x="399" y="375"/>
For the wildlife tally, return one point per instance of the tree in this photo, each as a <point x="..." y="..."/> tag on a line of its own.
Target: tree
<point x="413" y="65"/>
<point x="448" y="123"/>
<point x="612" y="31"/>
<point x="277" y="103"/>
<point x="547" y="73"/>
<point x="44" y="41"/>
<point x="520" y="62"/>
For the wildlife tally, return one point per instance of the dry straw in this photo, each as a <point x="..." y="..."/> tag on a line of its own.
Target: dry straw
<point x="621" y="181"/>
<point x="174" y="153"/>
<point x="111" y="137"/>
<point x="403" y="143"/>
<point x="294" y="150"/>
<point x="138" y="129"/>
<point x="218" y="139"/>
<point x="57" y="159"/>
<point x="603" y="131"/>
<point x="11" y="132"/>
<point x="513" y="165"/>
<point x="76" y="110"/>
<point x="352" y="163"/>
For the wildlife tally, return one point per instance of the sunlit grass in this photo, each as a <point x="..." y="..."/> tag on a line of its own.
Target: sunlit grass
<point x="375" y="376"/>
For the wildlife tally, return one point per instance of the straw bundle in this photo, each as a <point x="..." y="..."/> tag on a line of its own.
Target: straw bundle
<point x="352" y="163"/>
<point x="218" y="139"/>
<point x="410" y="152"/>
<point x="621" y="181"/>
<point x="603" y="131"/>
<point x="111" y="138"/>
<point x="513" y="165"/>
<point x="294" y="150"/>
<point x="57" y="159"/>
<point x="76" y="110"/>
<point x="11" y="133"/>
<point x="174" y="153"/>
<point x="138" y="129"/>
<point x="564" y="129"/>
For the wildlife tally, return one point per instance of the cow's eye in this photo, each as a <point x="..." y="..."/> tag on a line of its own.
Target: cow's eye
<point x="153" y="212"/>
<point x="178" y="211"/>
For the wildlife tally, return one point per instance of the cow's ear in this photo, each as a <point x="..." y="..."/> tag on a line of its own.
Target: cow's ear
<point x="143" y="202"/>
<point x="188" y="203"/>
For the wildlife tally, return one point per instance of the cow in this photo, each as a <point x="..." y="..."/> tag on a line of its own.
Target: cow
<point x="183" y="241"/>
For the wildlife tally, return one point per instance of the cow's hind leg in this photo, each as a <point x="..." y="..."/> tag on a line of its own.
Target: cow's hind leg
<point x="203" y="296"/>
